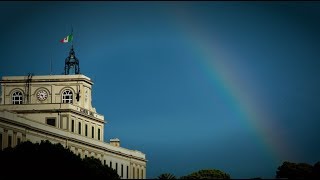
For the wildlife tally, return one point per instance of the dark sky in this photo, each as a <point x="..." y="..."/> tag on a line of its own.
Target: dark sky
<point x="232" y="86"/>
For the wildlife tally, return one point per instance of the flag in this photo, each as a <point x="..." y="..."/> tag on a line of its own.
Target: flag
<point x="67" y="39"/>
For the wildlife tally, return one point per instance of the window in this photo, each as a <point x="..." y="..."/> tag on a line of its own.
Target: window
<point x="79" y="127"/>
<point x="72" y="126"/>
<point x="104" y="162"/>
<point x="51" y="121"/>
<point x="111" y="164"/>
<point x="121" y="170"/>
<point x="141" y="173"/>
<point x="138" y="173"/>
<point x="0" y="141"/>
<point x="127" y="172"/>
<point x="18" y="140"/>
<point x="67" y="96"/>
<point x="92" y="132"/>
<point x="133" y="173"/>
<point x="117" y="167"/>
<point x="9" y="141"/>
<point x="17" y="97"/>
<point x="98" y="134"/>
<point x="86" y="130"/>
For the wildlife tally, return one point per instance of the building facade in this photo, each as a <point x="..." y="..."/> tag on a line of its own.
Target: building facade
<point x="59" y="108"/>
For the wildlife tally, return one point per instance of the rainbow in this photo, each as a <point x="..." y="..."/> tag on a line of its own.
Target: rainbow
<point x="213" y="62"/>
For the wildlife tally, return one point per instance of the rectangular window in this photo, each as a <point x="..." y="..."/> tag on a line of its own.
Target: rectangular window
<point x="104" y="162"/>
<point x="51" y="121"/>
<point x="98" y="134"/>
<point x="141" y="173"/>
<point x="86" y="130"/>
<point x="0" y="141"/>
<point x="138" y="173"/>
<point x="79" y="127"/>
<point x="9" y="141"/>
<point x="18" y="140"/>
<point x="72" y="126"/>
<point x="127" y="172"/>
<point x="92" y="132"/>
<point x="85" y="156"/>
<point x="111" y="164"/>
<point x="133" y="173"/>
<point x="121" y="170"/>
<point x="117" y="167"/>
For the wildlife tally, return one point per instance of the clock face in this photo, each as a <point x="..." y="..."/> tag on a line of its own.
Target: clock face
<point x="42" y="95"/>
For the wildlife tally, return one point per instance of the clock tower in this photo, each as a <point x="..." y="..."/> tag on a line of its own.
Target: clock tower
<point x="59" y="108"/>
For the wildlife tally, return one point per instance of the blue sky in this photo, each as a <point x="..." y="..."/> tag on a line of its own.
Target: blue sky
<point x="232" y="86"/>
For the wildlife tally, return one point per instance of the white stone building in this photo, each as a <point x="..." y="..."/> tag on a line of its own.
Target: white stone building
<point x="58" y="108"/>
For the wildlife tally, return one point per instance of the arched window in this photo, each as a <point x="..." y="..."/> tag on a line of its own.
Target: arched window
<point x="17" y="97"/>
<point x="67" y="96"/>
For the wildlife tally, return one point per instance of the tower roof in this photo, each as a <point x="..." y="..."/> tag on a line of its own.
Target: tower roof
<point x="71" y="63"/>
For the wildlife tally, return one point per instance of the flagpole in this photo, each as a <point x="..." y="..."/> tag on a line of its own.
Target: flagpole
<point x="72" y="35"/>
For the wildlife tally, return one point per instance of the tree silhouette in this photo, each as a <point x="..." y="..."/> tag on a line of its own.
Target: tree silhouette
<point x="166" y="176"/>
<point x="46" y="159"/>
<point x="207" y="174"/>
<point x="316" y="171"/>
<point x="294" y="171"/>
